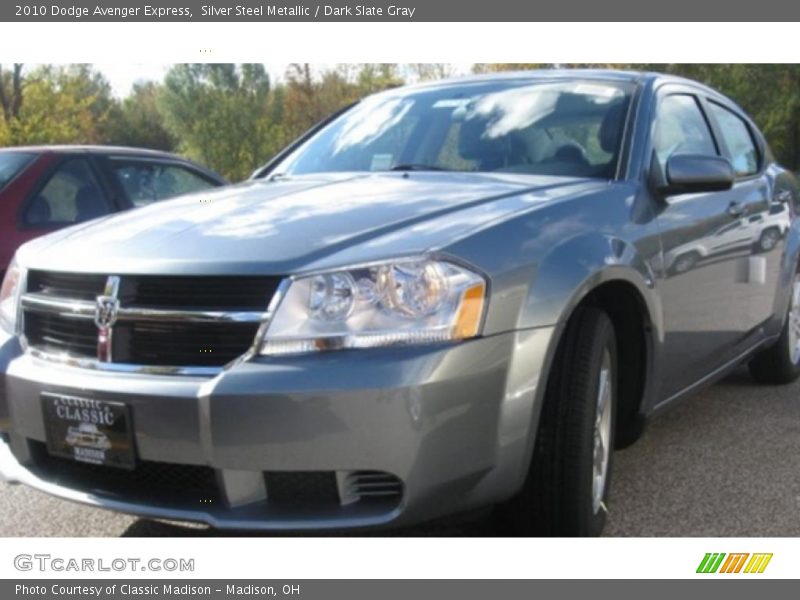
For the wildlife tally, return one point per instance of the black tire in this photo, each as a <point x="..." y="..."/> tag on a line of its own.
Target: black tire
<point x="557" y="498"/>
<point x="768" y="239"/>
<point x="778" y="365"/>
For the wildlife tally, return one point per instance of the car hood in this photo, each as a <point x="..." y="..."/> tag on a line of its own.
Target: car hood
<point x="289" y="225"/>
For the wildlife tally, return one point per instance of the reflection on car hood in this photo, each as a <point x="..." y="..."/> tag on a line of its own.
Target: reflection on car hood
<point x="291" y="224"/>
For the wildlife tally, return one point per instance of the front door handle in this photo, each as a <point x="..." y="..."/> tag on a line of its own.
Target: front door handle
<point x="736" y="209"/>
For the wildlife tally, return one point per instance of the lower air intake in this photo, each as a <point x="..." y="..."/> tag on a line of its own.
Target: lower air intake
<point x="370" y="486"/>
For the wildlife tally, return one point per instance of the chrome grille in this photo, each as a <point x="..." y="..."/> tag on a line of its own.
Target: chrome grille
<point x="198" y="293"/>
<point x="57" y="335"/>
<point x="66" y="285"/>
<point x="160" y="321"/>
<point x="189" y="292"/>
<point x="176" y="343"/>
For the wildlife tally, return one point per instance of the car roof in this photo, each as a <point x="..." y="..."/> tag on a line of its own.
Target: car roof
<point x="607" y="75"/>
<point x="94" y="149"/>
<point x="122" y="151"/>
<point x="533" y="74"/>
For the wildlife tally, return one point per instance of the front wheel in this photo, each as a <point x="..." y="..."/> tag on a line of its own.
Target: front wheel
<point x="769" y="239"/>
<point x="780" y="363"/>
<point x="567" y="487"/>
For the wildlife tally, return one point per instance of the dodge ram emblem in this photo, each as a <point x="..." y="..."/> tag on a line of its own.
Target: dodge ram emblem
<point x="105" y="314"/>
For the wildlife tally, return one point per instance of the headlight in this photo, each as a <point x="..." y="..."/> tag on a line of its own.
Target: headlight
<point x="9" y="297"/>
<point x="402" y="302"/>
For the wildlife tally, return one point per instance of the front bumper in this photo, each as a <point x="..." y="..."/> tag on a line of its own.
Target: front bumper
<point x="453" y="423"/>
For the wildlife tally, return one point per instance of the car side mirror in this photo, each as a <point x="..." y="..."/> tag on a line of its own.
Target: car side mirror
<point x="693" y="174"/>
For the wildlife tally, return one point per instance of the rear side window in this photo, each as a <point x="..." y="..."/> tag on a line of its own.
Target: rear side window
<point x="742" y="150"/>
<point x="145" y="182"/>
<point x="681" y="128"/>
<point x="71" y="195"/>
<point x="11" y="164"/>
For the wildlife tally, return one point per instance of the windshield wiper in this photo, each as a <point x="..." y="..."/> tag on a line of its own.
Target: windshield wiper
<point x="417" y="167"/>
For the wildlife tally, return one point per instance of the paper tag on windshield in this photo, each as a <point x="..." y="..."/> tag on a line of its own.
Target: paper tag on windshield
<point x="451" y="103"/>
<point x="594" y="89"/>
<point x="381" y="162"/>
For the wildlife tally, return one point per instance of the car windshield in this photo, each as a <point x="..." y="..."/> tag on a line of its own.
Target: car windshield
<point x="563" y="128"/>
<point x="11" y="163"/>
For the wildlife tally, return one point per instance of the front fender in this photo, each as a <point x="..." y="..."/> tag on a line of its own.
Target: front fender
<point x="562" y="281"/>
<point x="574" y="268"/>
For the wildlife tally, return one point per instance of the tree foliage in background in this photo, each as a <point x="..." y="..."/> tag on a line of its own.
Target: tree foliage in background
<point x="233" y="118"/>
<point x="61" y="105"/>
<point x="221" y="115"/>
<point x="310" y="96"/>
<point x="140" y="122"/>
<point x="430" y="71"/>
<point x="496" y="67"/>
<point x="11" y="84"/>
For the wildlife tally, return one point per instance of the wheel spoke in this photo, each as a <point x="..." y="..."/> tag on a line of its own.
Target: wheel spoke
<point x="602" y="433"/>
<point x="602" y="393"/>
<point x="599" y="452"/>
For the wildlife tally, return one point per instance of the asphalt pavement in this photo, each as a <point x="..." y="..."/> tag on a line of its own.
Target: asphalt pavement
<point x="725" y="462"/>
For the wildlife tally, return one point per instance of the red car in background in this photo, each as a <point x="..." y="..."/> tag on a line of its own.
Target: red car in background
<point x="45" y="188"/>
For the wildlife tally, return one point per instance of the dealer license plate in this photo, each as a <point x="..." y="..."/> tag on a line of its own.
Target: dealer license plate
<point x="88" y="430"/>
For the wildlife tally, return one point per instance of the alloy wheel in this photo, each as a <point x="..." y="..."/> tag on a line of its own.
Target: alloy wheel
<point x="602" y="430"/>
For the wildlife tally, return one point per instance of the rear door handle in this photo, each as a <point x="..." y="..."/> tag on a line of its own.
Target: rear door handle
<point x="736" y="209"/>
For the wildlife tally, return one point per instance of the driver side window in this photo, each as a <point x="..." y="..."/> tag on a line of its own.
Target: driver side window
<point x="681" y="127"/>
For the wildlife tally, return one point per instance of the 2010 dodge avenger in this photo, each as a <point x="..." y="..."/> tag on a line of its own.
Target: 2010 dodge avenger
<point x="452" y="295"/>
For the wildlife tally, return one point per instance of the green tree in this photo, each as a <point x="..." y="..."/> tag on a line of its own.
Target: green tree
<point x="222" y="115"/>
<point x="140" y="123"/>
<point x="58" y="105"/>
<point x="376" y="77"/>
<point x="11" y="84"/>
<point x="11" y="91"/>
<point x="310" y="96"/>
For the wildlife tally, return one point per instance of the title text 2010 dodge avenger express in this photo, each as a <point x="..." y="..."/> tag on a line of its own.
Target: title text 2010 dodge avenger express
<point x="452" y="295"/>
